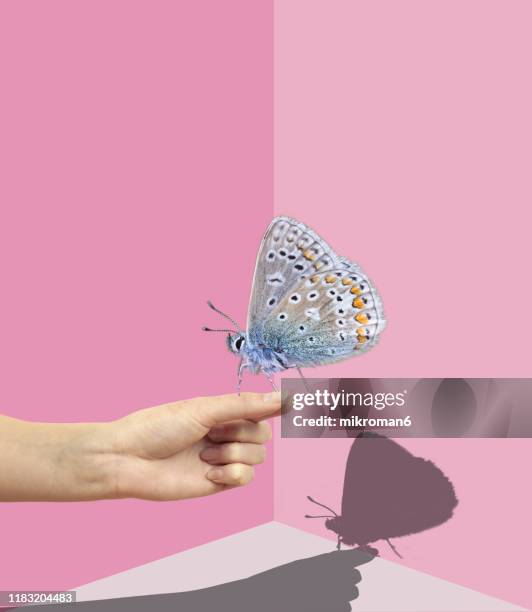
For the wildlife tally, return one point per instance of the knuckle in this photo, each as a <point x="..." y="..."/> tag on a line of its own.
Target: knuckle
<point x="232" y="452"/>
<point x="265" y="431"/>
<point x="239" y="433"/>
<point x="261" y="453"/>
<point x="191" y="419"/>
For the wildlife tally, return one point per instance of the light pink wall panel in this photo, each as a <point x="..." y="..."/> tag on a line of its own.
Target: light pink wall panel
<point x="403" y="135"/>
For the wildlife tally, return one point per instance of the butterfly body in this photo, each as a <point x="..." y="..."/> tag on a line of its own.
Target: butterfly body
<point x="257" y="357"/>
<point x="309" y="306"/>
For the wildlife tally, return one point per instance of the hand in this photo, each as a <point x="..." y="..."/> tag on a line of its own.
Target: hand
<point x="192" y="448"/>
<point x="183" y="449"/>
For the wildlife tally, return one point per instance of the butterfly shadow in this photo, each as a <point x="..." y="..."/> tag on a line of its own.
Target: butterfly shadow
<point x="326" y="582"/>
<point x="388" y="493"/>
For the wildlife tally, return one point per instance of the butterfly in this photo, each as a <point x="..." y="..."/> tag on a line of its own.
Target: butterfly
<point x="388" y="493"/>
<point x="309" y="306"/>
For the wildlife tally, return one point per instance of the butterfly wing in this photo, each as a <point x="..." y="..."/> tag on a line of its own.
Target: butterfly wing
<point x="308" y="303"/>
<point x="285" y="255"/>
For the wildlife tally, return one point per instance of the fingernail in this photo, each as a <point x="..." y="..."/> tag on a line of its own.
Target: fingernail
<point x="208" y="453"/>
<point x="274" y="397"/>
<point x="216" y="474"/>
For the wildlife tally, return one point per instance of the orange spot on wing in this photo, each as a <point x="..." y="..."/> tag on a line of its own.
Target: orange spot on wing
<point x="330" y="278"/>
<point x="362" y="318"/>
<point x="356" y="290"/>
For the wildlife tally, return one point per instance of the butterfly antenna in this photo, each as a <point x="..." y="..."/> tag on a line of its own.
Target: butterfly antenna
<point x="213" y="307"/>
<point x="393" y="548"/>
<point x="322" y="505"/>
<point x="319" y="516"/>
<point x="231" y="331"/>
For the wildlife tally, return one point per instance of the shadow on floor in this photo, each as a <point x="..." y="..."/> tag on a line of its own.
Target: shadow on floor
<point x="325" y="583"/>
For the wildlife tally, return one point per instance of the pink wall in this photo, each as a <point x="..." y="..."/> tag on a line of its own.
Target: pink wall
<point x="403" y="134"/>
<point x="136" y="157"/>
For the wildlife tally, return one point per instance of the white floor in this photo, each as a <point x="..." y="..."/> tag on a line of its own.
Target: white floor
<point x="252" y="551"/>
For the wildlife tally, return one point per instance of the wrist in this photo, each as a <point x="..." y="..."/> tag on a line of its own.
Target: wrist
<point x="56" y="462"/>
<point x="88" y="462"/>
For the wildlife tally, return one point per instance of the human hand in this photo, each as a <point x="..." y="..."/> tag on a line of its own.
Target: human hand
<point x="183" y="449"/>
<point x="191" y="448"/>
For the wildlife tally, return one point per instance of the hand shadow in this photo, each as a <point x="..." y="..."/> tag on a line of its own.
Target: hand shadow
<point x="325" y="583"/>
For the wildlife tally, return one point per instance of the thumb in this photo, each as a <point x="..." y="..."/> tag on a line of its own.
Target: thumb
<point x="211" y="411"/>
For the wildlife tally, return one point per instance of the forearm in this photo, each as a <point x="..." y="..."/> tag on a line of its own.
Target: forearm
<point x="55" y="462"/>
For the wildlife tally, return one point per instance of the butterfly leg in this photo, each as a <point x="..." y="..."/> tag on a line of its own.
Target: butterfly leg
<point x="303" y="378"/>
<point x="239" y="382"/>
<point x="270" y="380"/>
<point x="339" y="543"/>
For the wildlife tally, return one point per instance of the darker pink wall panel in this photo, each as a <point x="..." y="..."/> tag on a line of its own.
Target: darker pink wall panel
<point x="136" y="144"/>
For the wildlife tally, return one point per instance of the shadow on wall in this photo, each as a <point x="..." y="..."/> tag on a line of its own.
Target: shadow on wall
<point x="388" y="493"/>
<point x="326" y="582"/>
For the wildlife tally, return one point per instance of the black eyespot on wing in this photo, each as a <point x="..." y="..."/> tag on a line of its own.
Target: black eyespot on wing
<point x="299" y="267"/>
<point x="271" y="301"/>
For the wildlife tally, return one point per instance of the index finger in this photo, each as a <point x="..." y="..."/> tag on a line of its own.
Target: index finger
<point x="250" y="406"/>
